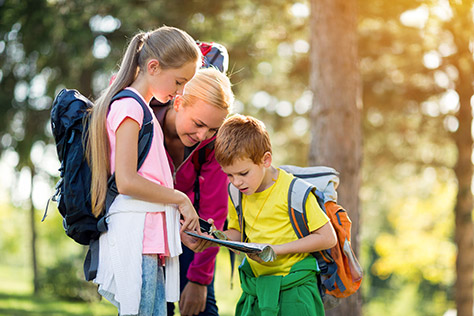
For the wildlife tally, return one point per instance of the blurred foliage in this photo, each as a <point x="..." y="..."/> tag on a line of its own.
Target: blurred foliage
<point x="409" y="186"/>
<point x="65" y="280"/>
<point x="409" y="112"/>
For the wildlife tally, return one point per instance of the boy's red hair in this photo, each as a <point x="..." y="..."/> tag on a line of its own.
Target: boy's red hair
<point x="241" y="137"/>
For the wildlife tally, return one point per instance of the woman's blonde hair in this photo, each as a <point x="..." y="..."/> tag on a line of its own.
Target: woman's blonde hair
<point x="173" y="48"/>
<point x="211" y="86"/>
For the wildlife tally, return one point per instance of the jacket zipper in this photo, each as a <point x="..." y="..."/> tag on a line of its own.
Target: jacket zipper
<point x="175" y="171"/>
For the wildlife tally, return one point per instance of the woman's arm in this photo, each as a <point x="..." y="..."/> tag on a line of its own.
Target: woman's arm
<point x="129" y="182"/>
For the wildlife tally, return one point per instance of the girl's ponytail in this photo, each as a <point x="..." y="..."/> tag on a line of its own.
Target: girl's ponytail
<point x="173" y="48"/>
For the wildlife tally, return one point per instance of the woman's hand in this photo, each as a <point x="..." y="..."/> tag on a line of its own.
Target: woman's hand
<point x="197" y="244"/>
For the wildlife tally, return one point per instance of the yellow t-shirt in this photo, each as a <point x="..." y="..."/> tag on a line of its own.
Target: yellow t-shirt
<point x="267" y="221"/>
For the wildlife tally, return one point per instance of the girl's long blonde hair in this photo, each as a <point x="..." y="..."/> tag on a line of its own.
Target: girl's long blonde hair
<point x="211" y="86"/>
<point x="173" y="48"/>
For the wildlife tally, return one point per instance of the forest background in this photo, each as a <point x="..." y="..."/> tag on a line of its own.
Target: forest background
<point x="415" y="67"/>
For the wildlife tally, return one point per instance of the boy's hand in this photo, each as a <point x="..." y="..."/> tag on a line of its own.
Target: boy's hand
<point x="268" y="256"/>
<point x="255" y="257"/>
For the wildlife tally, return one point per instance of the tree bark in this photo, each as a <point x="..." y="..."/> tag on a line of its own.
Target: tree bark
<point x="336" y="113"/>
<point x="462" y="28"/>
<point x="34" y="257"/>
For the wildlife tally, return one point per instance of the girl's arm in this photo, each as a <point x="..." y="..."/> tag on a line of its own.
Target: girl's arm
<point x="129" y="182"/>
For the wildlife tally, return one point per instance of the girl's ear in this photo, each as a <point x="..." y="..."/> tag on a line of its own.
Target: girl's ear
<point x="153" y="66"/>
<point x="267" y="159"/>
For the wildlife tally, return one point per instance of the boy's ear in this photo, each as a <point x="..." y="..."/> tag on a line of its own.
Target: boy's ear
<point x="267" y="159"/>
<point x="153" y="66"/>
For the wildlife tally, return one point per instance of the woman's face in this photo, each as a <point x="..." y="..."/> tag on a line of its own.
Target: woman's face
<point x="197" y="121"/>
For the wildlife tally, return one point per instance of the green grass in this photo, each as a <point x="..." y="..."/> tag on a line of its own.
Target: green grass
<point x="16" y="298"/>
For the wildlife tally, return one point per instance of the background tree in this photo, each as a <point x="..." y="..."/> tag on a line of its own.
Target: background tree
<point x="461" y="28"/>
<point x="336" y="113"/>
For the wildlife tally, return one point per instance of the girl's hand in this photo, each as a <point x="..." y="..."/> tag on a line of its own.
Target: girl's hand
<point x="191" y="218"/>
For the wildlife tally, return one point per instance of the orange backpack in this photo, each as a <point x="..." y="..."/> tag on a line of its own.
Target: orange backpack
<point x="340" y="272"/>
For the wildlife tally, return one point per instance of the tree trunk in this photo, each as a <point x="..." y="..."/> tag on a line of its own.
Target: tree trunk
<point x="336" y="113"/>
<point x="464" y="232"/>
<point x="34" y="260"/>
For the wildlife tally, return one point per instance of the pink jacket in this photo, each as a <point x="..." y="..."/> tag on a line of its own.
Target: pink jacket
<point x="213" y="202"/>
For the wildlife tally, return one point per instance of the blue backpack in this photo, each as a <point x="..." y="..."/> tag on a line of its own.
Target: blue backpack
<point x="70" y="122"/>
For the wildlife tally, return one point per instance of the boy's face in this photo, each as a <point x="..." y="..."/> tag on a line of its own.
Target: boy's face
<point x="247" y="176"/>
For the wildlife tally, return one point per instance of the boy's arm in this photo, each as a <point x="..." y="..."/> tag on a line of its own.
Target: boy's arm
<point x="232" y="234"/>
<point x="320" y="239"/>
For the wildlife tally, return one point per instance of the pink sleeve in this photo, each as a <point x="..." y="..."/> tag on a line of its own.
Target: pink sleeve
<point x="118" y="112"/>
<point x="121" y="109"/>
<point x="213" y="204"/>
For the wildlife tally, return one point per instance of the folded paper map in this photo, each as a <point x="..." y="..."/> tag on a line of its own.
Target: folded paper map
<point x="265" y="252"/>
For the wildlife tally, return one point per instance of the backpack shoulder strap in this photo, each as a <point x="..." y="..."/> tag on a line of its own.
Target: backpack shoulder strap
<point x="236" y="199"/>
<point x="145" y="137"/>
<point x="297" y="195"/>
<point x="146" y="132"/>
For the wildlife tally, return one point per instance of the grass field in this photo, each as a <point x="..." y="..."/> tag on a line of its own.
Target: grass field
<point x="16" y="297"/>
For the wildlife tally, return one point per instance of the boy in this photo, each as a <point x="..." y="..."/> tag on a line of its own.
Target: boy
<point x="288" y="285"/>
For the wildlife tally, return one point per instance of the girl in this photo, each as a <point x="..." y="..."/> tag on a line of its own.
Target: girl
<point x="143" y="224"/>
<point x="189" y="126"/>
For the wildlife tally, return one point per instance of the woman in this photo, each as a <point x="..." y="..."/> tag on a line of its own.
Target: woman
<point x="189" y="127"/>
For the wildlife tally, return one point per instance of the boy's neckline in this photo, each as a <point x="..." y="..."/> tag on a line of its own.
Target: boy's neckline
<point x="271" y="177"/>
